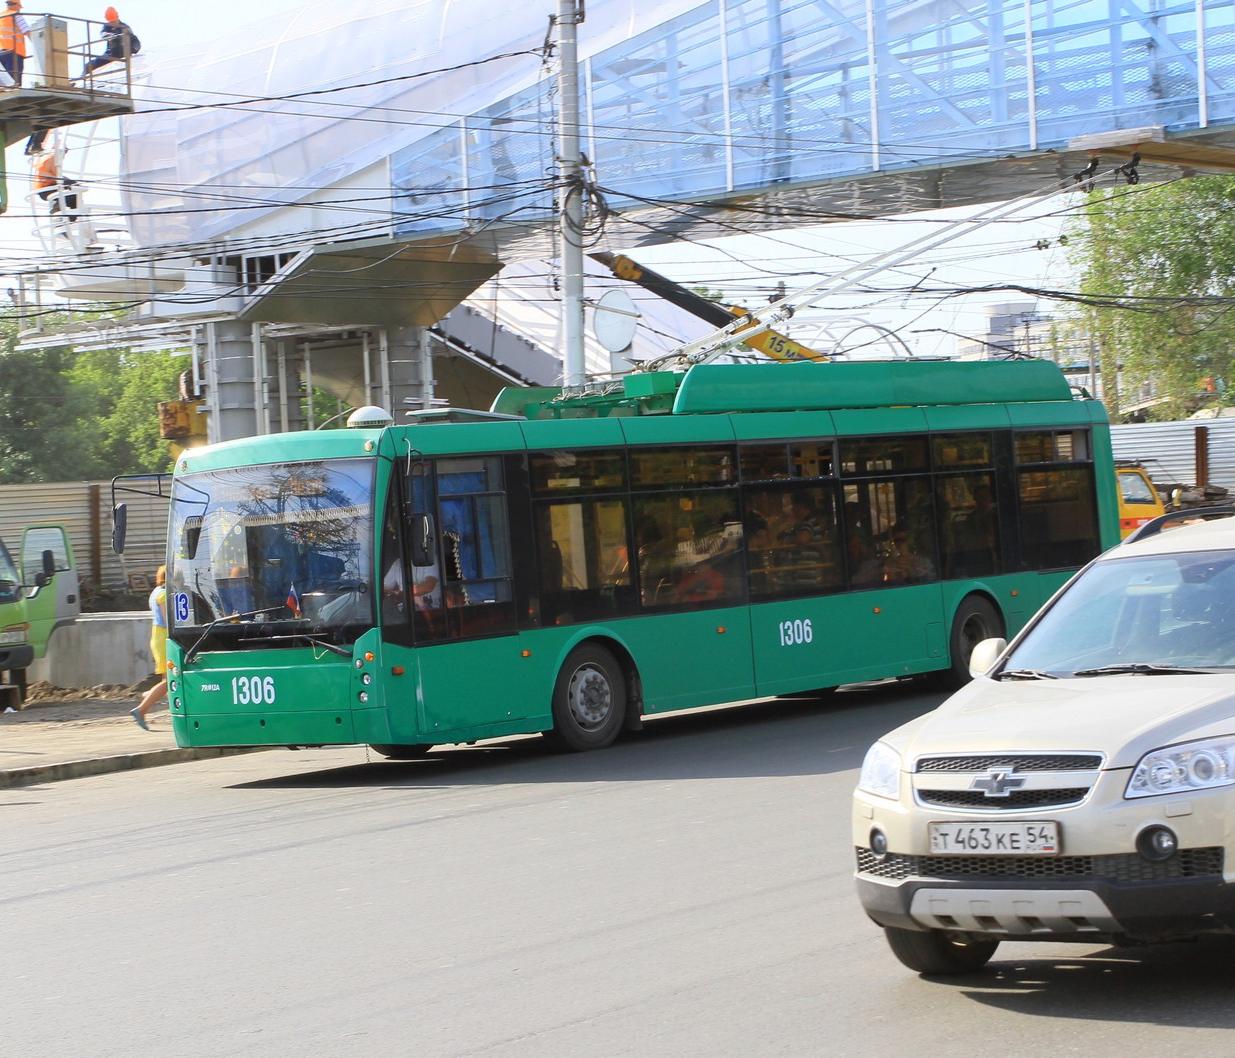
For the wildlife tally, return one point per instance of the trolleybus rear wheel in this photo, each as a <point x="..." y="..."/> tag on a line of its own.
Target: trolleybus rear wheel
<point x="402" y="752"/>
<point x="589" y="700"/>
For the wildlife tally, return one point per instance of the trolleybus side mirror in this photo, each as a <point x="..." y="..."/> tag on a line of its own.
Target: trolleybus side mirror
<point x="984" y="655"/>
<point x="423" y="543"/>
<point x="119" y="522"/>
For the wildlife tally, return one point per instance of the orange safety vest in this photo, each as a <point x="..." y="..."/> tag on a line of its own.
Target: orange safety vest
<point x="46" y="174"/>
<point x="12" y="38"/>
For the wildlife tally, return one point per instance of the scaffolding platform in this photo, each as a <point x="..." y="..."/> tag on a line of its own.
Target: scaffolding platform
<point x="22" y="110"/>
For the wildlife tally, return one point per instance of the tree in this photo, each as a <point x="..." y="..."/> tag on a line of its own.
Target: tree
<point x="67" y="416"/>
<point x="1159" y="262"/>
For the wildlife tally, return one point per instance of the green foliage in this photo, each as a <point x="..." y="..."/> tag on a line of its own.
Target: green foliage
<point x="1157" y="253"/>
<point x="68" y="416"/>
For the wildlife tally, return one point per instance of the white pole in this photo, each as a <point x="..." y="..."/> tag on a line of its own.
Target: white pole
<point x="574" y="371"/>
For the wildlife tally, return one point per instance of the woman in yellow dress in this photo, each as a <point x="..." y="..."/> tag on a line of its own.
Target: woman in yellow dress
<point x="158" y="647"/>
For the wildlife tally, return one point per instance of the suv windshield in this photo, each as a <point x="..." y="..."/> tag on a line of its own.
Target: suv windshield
<point x="1157" y="613"/>
<point x="291" y="541"/>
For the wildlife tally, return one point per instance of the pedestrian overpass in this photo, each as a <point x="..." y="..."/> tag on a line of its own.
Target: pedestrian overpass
<point x="384" y="182"/>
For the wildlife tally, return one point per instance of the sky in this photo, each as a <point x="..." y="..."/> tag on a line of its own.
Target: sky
<point x="745" y="268"/>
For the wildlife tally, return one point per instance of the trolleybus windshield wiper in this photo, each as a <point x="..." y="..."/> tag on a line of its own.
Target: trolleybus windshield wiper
<point x="192" y="651"/>
<point x="334" y="648"/>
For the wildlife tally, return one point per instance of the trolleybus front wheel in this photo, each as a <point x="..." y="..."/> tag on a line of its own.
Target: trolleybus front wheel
<point x="589" y="700"/>
<point x="402" y="752"/>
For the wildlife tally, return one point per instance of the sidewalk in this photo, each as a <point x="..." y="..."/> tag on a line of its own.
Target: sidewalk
<point x="50" y="741"/>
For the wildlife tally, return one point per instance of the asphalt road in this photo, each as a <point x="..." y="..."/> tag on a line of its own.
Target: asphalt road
<point x="685" y="893"/>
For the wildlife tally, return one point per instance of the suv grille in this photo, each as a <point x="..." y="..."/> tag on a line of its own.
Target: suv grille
<point x="1016" y="799"/>
<point x="1017" y="761"/>
<point x="1118" y="867"/>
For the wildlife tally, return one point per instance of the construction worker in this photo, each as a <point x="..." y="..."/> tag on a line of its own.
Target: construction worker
<point x="122" y="43"/>
<point x="13" y="48"/>
<point x="49" y="186"/>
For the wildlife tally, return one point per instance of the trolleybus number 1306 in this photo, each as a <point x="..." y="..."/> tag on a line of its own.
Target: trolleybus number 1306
<point x="795" y="633"/>
<point x="252" y="690"/>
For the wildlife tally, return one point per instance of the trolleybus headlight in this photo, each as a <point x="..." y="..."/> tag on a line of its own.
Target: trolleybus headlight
<point x="364" y="696"/>
<point x="359" y="664"/>
<point x="176" y="703"/>
<point x="366" y="679"/>
<point x="172" y="686"/>
<point x="881" y="772"/>
<point x="1157" y="843"/>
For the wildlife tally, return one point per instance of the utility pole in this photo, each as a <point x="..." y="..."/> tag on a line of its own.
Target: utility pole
<point x="574" y="372"/>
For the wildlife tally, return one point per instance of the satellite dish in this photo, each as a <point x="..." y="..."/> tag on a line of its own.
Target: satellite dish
<point x="615" y="320"/>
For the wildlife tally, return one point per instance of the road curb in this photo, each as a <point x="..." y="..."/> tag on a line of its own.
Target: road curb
<point x="79" y="769"/>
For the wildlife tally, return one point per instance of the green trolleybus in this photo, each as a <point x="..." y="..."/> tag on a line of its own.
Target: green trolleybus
<point x="573" y="561"/>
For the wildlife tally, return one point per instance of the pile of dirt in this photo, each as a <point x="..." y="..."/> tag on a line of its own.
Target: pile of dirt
<point x="43" y="693"/>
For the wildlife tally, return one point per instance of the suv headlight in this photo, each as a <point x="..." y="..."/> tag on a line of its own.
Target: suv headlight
<point x="881" y="772"/>
<point x="13" y="634"/>
<point x="1181" y="769"/>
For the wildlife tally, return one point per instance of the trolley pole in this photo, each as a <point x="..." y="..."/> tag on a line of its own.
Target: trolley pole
<point x="571" y="216"/>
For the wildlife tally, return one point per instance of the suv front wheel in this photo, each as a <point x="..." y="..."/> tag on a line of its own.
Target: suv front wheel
<point x="937" y="952"/>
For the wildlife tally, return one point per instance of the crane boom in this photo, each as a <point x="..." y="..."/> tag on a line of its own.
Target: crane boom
<point x="769" y="342"/>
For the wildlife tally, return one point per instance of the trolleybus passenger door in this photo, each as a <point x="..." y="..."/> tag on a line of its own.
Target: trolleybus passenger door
<point x="463" y="591"/>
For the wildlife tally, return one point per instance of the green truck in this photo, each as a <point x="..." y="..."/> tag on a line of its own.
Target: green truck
<point x="39" y="592"/>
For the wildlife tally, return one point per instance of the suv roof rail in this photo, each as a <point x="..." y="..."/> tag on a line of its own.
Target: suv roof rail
<point x="1165" y="521"/>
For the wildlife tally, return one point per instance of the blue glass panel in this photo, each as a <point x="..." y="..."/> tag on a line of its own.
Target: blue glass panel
<point x="428" y="191"/>
<point x="799" y="90"/>
<point x="658" y="110"/>
<point x="1114" y="64"/>
<point x="1220" y="59"/>
<point x="510" y="156"/>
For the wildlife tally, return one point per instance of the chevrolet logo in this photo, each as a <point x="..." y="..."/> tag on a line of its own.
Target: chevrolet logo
<point x="998" y="782"/>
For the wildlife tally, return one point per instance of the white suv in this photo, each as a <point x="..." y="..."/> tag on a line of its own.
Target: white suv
<point x="1082" y="787"/>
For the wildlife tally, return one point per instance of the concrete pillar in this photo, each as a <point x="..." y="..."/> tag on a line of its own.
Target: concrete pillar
<point x="285" y="364"/>
<point x="410" y="366"/>
<point x="228" y="356"/>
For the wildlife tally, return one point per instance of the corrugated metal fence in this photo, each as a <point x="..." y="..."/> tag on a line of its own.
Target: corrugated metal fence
<point x="1173" y="446"/>
<point x="84" y="509"/>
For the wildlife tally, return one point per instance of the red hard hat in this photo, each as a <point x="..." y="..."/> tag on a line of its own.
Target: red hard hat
<point x="111" y="15"/>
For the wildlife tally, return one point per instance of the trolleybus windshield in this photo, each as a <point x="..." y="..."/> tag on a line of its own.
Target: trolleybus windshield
<point x="287" y="544"/>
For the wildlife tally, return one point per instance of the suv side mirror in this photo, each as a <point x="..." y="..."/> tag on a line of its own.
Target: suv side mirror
<point x="984" y="655"/>
<point x="424" y="542"/>
<point x="119" y="522"/>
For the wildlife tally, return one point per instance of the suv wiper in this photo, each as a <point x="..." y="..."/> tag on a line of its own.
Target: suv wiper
<point x="1025" y="674"/>
<point x="192" y="651"/>
<point x="1142" y="668"/>
<point x="334" y="648"/>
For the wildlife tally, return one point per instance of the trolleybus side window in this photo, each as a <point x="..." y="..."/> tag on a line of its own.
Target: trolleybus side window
<point x="965" y="500"/>
<point x="474" y="594"/>
<point x="581" y="516"/>
<point x="688" y="534"/>
<point x="792" y="534"/>
<point x="889" y="518"/>
<point x="394" y="582"/>
<point x="1058" y="509"/>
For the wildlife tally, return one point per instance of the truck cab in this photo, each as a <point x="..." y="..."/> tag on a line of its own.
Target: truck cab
<point x="39" y="592"/>
<point x="1139" y="502"/>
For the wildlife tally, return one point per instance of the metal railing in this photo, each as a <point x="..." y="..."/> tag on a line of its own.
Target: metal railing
<point x="65" y="53"/>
